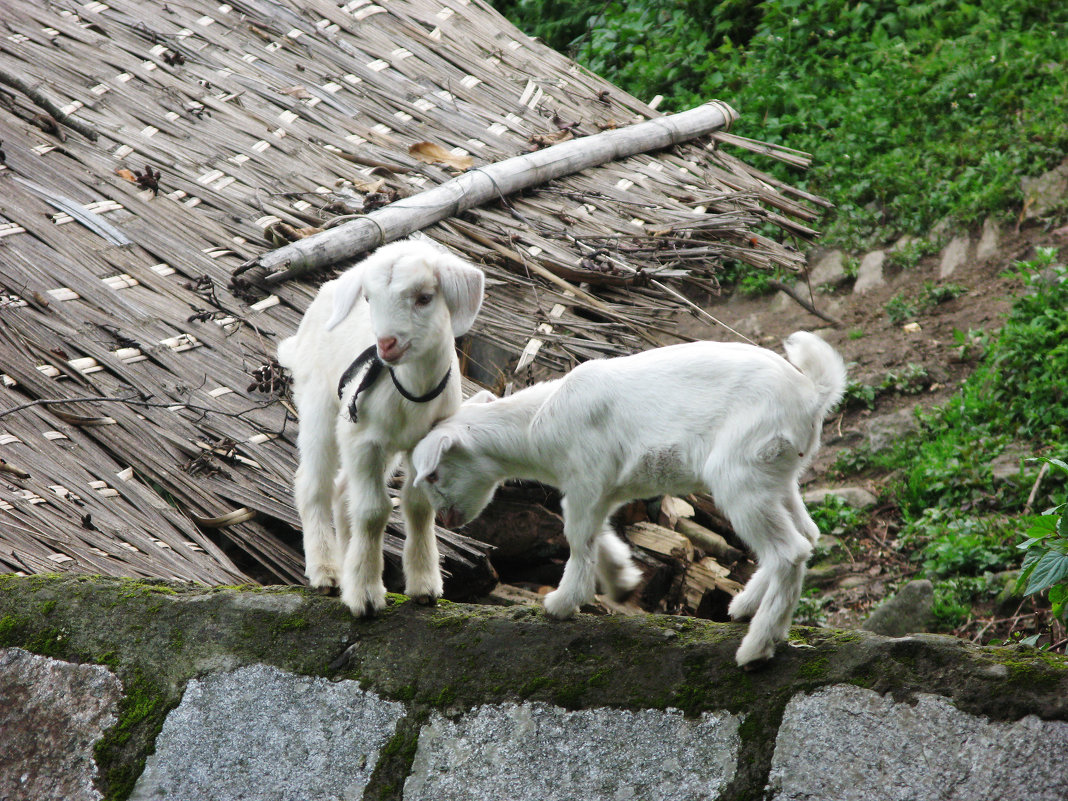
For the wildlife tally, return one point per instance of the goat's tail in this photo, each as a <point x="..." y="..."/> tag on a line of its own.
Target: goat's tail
<point x="821" y="364"/>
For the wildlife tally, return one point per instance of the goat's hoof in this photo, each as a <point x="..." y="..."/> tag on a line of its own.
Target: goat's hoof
<point x="742" y="607"/>
<point x="426" y="599"/>
<point x="366" y="608"/>
<point x="554" y="607"/>
<point x="330" y="591"/>
<point x="753" y="655"/>
<point x="756" y="665"/>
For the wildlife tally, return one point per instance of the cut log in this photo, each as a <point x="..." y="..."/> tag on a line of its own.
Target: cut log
<point x="674" y="509"/>
<point x="713" y="516"/>
<point x="709" y="541"/>
<point x="510" y="595"/>
<point x="660" y="540"/>
<point x="628" y="608"/>
<point x="482" y="185"/>
<point x="706" y="590"/>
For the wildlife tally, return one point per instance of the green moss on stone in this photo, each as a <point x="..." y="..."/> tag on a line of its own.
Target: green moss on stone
<point x="121" y="752"/>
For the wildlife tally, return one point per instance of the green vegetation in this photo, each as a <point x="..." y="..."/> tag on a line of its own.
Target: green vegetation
<point x="900" y="309"/>
<point x="913" y="111"/>
<point x="1045" y="566"/>
<point x="911" y="380"/>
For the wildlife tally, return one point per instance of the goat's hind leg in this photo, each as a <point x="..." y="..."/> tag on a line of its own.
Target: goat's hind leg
<point x="422" y="570"/>
<point x="314" y="491"/>
<point x="767" y="526"/>
<point x="804" y="522"/>
<point x="616" y="571"/>
<point x="745" y="604"/>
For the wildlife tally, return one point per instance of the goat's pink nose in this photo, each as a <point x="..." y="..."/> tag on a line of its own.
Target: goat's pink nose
<point x="387" y="344"/>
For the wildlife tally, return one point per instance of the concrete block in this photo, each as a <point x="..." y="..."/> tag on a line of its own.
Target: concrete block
<point x="536" y="752"/>
<point x="291" y="737"/>
<point x="852" y="744"/>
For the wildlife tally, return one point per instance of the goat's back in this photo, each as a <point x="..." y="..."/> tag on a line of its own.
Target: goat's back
<point x="695" y="398"/>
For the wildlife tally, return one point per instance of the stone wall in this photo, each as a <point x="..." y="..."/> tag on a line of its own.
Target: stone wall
<point x="123" y="689"/>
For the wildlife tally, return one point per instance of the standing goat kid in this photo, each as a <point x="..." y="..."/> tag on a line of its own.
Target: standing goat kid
<point x="735" y="420"/>
<point x="398" y="311"/>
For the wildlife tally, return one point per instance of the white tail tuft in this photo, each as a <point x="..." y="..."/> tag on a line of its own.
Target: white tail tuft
<point x="821" y="364"/>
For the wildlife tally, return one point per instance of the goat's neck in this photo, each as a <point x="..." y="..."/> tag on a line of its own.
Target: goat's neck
<point x="422" y="374"/>
<point x="503" y="434"/>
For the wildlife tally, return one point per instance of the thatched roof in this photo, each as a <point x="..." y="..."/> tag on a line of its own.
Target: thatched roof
<point x="200" y="135"/>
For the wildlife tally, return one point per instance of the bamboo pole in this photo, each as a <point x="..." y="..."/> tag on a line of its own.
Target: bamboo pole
<point x="483" y="184"/>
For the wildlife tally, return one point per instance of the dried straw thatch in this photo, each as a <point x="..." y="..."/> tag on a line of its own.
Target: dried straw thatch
<point x="151" y="149"/>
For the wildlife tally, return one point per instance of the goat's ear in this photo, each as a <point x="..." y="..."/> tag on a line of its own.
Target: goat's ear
<point x="427" y="454"/>
<point x="462" y="286"/>
<point x="482" y="396"/>
<point x="347" y="290"/>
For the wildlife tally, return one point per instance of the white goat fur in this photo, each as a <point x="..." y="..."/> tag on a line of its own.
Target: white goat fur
<point x="735" y="420"/>
<point x="421" y="296"/>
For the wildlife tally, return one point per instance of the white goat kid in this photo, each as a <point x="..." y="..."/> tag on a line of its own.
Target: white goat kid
<point x="735" y="420"/>
<point x="404" y="304"/>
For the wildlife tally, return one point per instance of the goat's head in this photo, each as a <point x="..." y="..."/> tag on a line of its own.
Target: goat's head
<point x="418" y="293"/>
<point x="459" y="481"/>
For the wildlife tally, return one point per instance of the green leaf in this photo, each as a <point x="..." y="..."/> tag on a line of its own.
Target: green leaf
<point x="1058" y="597"/>
<point x="1049" y="570"/>
<point x="1056" y="463"/>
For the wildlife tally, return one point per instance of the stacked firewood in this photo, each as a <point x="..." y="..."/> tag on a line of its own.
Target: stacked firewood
<point x="691" y="560"/>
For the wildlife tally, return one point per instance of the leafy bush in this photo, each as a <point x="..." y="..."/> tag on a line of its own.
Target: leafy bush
<point x="912" y="380"/>
<point x="961" y="545"/>
<point x="1045" y="565"/>
<point x="908" y="256"/>
<point x="900" y="310"/>
<point x="837" y="518"/>
<point x="954" y="597"/>
<point x="858" y="395"/>
<point x="935" y="294"/>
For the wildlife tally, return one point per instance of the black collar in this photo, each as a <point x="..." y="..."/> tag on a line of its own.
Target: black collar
<point x="374" y="369"/>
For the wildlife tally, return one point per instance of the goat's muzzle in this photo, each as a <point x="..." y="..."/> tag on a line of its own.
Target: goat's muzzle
<point x="390" y="350"/>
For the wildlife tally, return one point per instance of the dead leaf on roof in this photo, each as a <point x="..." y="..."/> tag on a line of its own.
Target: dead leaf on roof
<point x="430" y="153"/>
<point x="281" y="233"/>
<point x="548" y="140"/>
<point x="367" y="186"/>
<point x="298" y="92"/>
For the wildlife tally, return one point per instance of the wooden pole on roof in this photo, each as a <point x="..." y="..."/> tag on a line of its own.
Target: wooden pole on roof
<point x="482" y="185"/>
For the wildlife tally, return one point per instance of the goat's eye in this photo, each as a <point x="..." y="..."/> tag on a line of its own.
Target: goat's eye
<point x="432" y="478"/>
<point x="423" y="299"/>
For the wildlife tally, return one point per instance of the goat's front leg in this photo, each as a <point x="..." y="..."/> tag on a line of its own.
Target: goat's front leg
<point x="364" y="465"/>
<point x="583" y="522"/>
<point x="422" y="571"/>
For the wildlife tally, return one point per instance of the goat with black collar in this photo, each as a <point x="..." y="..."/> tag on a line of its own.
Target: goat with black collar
<point x="397" y="312"/>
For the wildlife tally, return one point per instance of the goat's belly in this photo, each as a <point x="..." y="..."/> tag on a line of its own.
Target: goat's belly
<point x="659" y="472"/>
